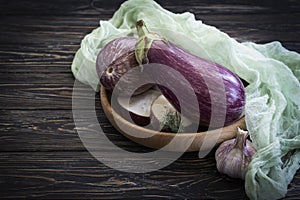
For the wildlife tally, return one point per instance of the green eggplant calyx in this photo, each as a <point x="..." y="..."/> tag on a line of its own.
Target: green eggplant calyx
<point x="144" y="42"/>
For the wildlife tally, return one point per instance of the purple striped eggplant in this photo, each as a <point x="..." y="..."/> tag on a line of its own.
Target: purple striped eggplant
<point x="211" y="82"/>
<point x="213" y="85"/>
<point x="116" y="59"/>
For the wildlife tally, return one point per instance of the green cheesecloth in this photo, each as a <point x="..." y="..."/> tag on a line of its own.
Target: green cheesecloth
<point x="272" y="97"/>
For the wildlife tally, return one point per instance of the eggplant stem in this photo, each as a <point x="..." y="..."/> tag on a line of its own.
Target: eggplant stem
<point x="144" y="42"/>
<point x="140" y="26"/>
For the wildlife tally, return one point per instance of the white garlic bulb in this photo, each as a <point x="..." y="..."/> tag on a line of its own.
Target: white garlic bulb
<point x="233" y="156"/>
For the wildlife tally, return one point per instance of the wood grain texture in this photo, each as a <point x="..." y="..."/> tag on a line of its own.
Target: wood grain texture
<point x="41" y="154"/>
<point x="53" y="174"/>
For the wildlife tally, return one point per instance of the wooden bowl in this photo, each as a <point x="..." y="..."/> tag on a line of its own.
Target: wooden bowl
<point x="167" y="141"/>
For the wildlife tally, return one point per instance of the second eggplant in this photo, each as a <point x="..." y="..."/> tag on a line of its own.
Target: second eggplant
<point x="220" y="93"/>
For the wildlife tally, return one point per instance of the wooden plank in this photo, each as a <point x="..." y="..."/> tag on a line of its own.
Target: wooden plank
<point x="46" y="96"/>
<point x="46" y="30"/>
<point x="78" y="175"/>
<point x="86" y="7"/>
<point x="43" y="78"/>
<point x="53" y="130"/>
<point x="50" y="32"/>
<point x="36" y="55"/>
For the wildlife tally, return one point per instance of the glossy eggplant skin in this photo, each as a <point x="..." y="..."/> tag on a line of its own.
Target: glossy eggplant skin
<point x="116" y="59"/>
<point x="208" y="80"/>
<point x="114" y="51"/>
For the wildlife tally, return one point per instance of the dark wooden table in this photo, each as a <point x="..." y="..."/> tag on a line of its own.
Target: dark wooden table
<point x="42" y="156"/>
